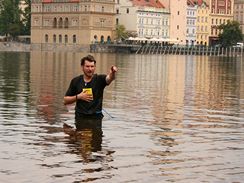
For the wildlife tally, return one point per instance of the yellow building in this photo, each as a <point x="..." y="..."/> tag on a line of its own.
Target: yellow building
<point x="203" y="26"/>
<point x="71" y="22"/>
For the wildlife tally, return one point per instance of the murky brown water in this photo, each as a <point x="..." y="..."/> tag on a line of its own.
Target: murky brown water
<point x="167" y="119"/>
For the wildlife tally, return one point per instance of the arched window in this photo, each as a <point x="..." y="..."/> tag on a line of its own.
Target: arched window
<point x="74" y="38"/>
<point x="95" y="39"/>
<point x="66" y="23"/>
<point x="54" y="38"/>
<point x="60" y="38"/>
<point x="108" y="39"/>
<point x="46" y="38"/>
<point x="66" y="38"/>
<point x="102" y="39"/>
<point x="55" y="22"/>
<point x="60" y="23"/>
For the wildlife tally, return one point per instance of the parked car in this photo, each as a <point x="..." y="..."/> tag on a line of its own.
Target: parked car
<point x="218" y="46"/>
<point x="238" y="45"/>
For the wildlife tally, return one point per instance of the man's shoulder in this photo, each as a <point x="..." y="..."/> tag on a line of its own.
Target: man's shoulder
<point x="77" y="78"/>
<point x="100" y="75"/>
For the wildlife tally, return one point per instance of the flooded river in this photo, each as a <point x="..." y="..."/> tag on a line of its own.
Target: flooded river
<point x="167" y="118"/>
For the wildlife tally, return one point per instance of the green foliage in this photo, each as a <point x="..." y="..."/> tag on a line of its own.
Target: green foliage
<point x="27" y="17"/>
<point x="231" y="33"/>
<point x="11" y="23"/>
<point x="121" y="32"/>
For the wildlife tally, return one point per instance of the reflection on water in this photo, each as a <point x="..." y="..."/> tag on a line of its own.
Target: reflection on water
<point x="168" y="118"/>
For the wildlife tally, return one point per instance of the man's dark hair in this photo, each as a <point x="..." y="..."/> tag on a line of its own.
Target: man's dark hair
<point x="89" y="58"/>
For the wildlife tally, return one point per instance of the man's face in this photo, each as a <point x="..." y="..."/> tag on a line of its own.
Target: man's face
<point x="89" y="68"/>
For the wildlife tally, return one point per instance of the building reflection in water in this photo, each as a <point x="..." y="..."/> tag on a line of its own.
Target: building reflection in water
<point x="180" y="93"/>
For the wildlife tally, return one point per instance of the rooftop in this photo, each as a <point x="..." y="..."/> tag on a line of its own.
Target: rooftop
<point x="149" y="3"/>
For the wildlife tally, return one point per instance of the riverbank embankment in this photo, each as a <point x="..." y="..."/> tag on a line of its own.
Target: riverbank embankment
<point x="25" y="47"/>
<point x="15" y="46"/>
<point x="123" y="48"/>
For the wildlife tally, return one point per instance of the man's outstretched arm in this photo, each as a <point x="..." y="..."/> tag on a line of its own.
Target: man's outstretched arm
<point x="111" y="75"/>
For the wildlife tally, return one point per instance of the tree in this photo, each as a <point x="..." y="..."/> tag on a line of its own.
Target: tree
<point x="121" y="32"/>
<point x="27" y="17"/>
<point x="230" y="33"/>
<point x="10" y="23"/>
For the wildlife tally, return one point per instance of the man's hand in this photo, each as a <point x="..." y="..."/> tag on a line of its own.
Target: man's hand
<point x="85" y="96"/>
<point x="111" y="76"/>
<point x="113" y="69"/>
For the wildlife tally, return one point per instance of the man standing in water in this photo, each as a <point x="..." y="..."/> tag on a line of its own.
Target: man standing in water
<point x="87" y="91"/>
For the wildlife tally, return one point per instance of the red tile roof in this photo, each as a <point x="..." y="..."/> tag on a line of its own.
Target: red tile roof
<point x="149" y="3"/>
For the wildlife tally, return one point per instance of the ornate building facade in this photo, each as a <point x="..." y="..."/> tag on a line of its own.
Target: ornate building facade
<point x="221" y="11"/>
<point x="148" y="18"/>
<point x="191" y="21"/>
<point x="72" y="22"/>
<point x="239" y="13"/>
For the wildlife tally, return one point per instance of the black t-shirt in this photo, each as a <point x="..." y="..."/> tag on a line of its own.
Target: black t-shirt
<point x="96" y="86"/>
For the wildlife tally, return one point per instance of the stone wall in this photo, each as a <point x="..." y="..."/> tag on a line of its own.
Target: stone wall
<point x="14" y="46"/>
<point x="22" y="47"/>
<point x="61" y="47"/>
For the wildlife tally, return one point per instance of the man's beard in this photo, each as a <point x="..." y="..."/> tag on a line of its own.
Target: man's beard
<point x="88" y="74"/>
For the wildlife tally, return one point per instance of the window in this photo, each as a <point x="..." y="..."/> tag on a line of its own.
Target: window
<point x="102" y="8"/>
<point x="46" y="38"/>
<point x="127" y="10"/>
<point x="74" y="38"/>
<point x="60" y="38"/>
<point x="66" y="38"/>
<point x="55" y="23"/>
<point x="108" y="39"/>
<point x="66" y="23"/>
<point x="54" y="38"/>
<point x="102" y="39"/>
<point x="60" y="23"/>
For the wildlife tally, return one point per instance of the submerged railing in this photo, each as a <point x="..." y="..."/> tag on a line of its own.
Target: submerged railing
<point x="190" y="50"/>
<point x="163" y="49"/>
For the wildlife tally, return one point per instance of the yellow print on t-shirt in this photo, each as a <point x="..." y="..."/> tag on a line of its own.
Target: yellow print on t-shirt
<point x="88" y="91"/>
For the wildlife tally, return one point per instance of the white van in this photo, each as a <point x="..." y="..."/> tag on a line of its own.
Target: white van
<point x="238" y="45"/>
